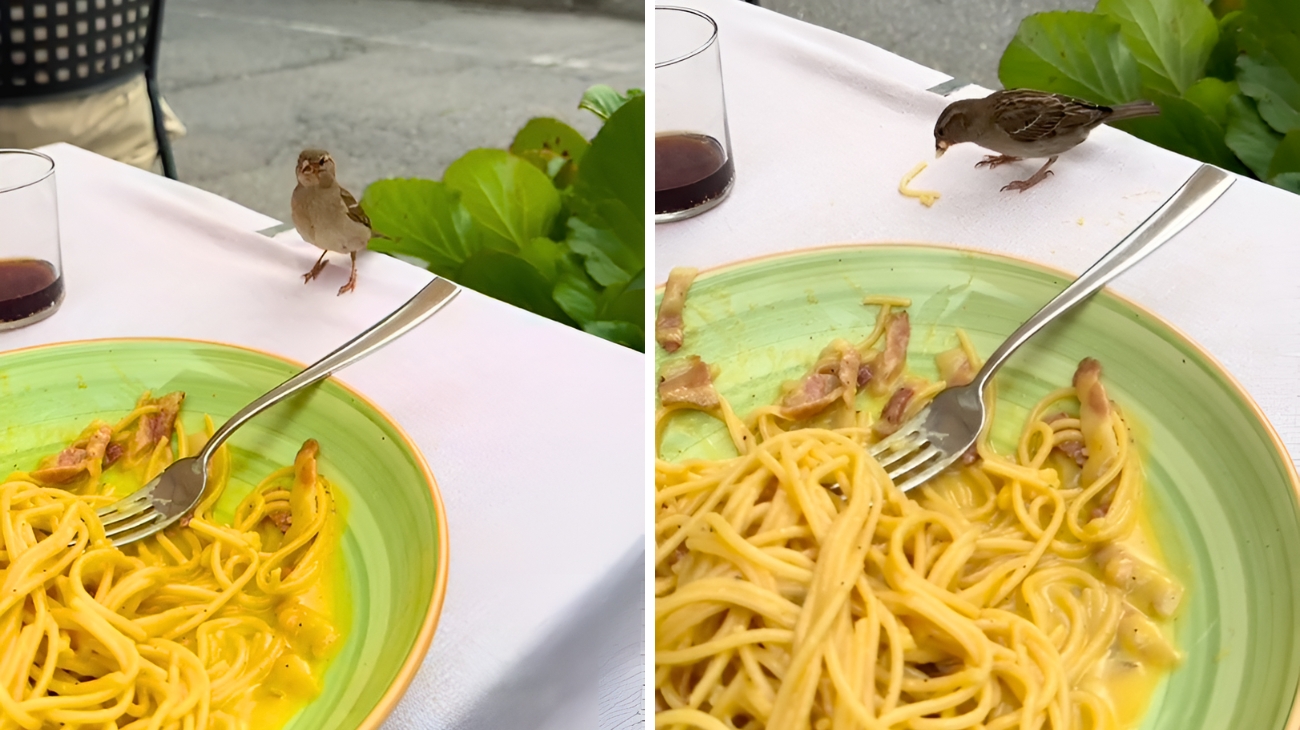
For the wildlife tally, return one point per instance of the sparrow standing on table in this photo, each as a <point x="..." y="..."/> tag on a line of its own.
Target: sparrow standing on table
<point x="326" y="215"/>
<point x="1020" y="123"/>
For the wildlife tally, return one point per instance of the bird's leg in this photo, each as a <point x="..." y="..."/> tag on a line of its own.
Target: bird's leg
<point x="315" y="270"/>
<point x="1032" y="180"/>
<point x="352" y="277"/>
<point x="992" y="161"/>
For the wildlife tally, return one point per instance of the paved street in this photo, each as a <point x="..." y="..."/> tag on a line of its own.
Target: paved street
<point x="393" y="88"/>
<point x="960" y="37"/>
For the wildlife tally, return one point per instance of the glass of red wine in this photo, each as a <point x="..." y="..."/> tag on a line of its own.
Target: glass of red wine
<point x="31" y="271"/>
<point x="693" y="166"/>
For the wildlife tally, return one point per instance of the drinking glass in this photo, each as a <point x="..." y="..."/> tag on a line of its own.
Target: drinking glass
<point x="693" y="166"/>
<point x="31" y="271"/>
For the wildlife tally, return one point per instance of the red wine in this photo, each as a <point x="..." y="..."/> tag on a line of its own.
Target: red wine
<point x="690" y="169"/>
<point x="27" y="286"/>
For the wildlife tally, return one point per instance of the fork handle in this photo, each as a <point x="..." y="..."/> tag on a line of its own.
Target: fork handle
<point x="418" y="308"/>
<point x="1190" y="201"/>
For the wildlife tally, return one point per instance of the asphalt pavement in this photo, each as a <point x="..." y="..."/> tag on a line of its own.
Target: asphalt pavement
<point x="393" y="88"/>
<point x="963" y="38"/>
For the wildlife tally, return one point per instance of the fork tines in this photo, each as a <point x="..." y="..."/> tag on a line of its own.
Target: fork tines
<point x="908" y="453"/>
<point x="131" y="513"/>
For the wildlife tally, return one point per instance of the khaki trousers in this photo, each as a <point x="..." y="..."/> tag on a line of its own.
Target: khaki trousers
<point x="115" y="122"/>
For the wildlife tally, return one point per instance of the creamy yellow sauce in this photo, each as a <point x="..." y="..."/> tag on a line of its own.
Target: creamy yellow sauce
<point x="298" y="680"/>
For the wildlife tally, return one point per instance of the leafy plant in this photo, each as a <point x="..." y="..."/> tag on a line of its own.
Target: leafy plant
<point x="555" y="224"/>
<point x="1226" y="76"/>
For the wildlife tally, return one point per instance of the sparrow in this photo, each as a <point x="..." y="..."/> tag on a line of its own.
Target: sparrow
<point x="1020" y="123"/>
<point x="326" y="215"/>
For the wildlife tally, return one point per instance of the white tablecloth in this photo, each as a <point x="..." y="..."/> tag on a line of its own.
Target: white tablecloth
<point x="534" y="431"/>
<point x="823" y="127"/>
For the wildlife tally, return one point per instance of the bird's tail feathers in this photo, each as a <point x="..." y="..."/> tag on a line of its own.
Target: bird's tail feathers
<point x="1133" y="110"/>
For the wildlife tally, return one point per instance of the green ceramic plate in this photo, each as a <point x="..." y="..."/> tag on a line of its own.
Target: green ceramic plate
<point x="1222" y="491"/>
<point x="395" y="535"/>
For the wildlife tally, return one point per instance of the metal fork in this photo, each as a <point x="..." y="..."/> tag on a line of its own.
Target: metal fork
<point x="172" y="494"/>
<point x="949" y="426"/>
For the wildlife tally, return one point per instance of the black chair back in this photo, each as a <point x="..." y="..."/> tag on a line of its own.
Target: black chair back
<point x="51" y="48"/>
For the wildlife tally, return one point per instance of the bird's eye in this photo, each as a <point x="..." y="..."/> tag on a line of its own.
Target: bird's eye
<point x="323" y="159"/>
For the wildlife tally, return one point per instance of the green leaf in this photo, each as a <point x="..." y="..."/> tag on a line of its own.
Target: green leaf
<point x="578" y="298"/>
<point x="628" y="334"/>
<point x="1211" y="96"/>
<point x="545" y="256"/>
<point x="552" y="146"/>
<point x="424" y="219"/>
<point x="1222" y="63"/>
<point x="1287" y="157"/>
<point x="1171" y="39"/>
<point x="1275" y="89"/>
<point x="513" y="280"/>
<point x="608" y="199"/>
<point x="626" y="303"/>
<point x="1224" y="8"/>
<point x="1269" y="71"/>
<point x="504" y="194"/>
<point x="1073" y="53"/>
<point x="1249" y="137"/>
<point x="603" y="101"/>
<point x="1184" y="128"/>
<point x="609" y="261"/>
<point x="1289" y="181"/>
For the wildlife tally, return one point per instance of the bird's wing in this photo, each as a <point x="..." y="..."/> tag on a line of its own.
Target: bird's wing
<point x="1033" y="116"/>
<point x="354" y="208"/>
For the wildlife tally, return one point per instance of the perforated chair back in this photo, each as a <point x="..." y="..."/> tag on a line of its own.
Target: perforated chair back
<point x="55" y="48"/>
<point x="49" y="48"/>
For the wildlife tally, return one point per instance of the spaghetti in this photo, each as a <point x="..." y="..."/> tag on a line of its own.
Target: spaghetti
<point x="796" y="587"/>
<point x="927" y="197"/>
<point x="199" y="627"/>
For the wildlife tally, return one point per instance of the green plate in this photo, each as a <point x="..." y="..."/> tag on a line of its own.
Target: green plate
<point x="394" y="541"/>
<point x="1222" y="491"/>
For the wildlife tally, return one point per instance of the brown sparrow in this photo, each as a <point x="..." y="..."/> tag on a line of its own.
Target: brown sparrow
<point x="326" y="215"/>
<point x="1020" y="123"/>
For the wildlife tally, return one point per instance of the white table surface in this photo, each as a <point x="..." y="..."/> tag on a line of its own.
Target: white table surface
<point x="534" y="431"/>
<point x="824" y="126"/>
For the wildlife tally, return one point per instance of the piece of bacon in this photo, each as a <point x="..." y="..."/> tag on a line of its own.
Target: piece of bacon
<point x="1094" y="420"/>
<point x="76" y="459"/>
<point x="864" y="375"/>
<point x="282" y="520"/>
<point x="888" y="365"/>
<point x="157" y="426"/>
<point x="668" y="325"/>
<point x="891" y="416"/>
<point x="954" y="367"/>
<point x="817" y="391"/>
<point x="112" y="453"/>
<point x="1075" y="450"/>
<point x="688" y="382"/>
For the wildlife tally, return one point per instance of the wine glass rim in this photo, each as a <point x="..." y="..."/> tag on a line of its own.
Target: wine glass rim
<point x="42" y="178"/>
<point x="713" y="36"/>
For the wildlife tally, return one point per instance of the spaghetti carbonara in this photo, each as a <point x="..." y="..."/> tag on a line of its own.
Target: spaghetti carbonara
<point x="797" y="588"/>
<point x="199" y="627"/>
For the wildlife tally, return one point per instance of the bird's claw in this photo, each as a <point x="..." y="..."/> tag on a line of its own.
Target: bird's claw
<point x="347" y="287"/>
<point x="315" y="271"/>
<point x="992" y="161"/>
<point x="1023" y="185"/>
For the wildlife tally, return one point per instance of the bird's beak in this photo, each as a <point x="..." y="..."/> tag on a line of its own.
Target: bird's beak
<point x="939" y="149"/>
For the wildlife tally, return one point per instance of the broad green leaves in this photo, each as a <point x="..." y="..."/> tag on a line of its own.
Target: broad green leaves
<point x="603" y="101"/>
<point x="504" y="194"/>
<point x="1249" y="137"/>
<point x="1171" y="39"/>
<point x="1079" y="54"/>
<point x="554" y="225"/>
<point x="1228" y="88"/>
